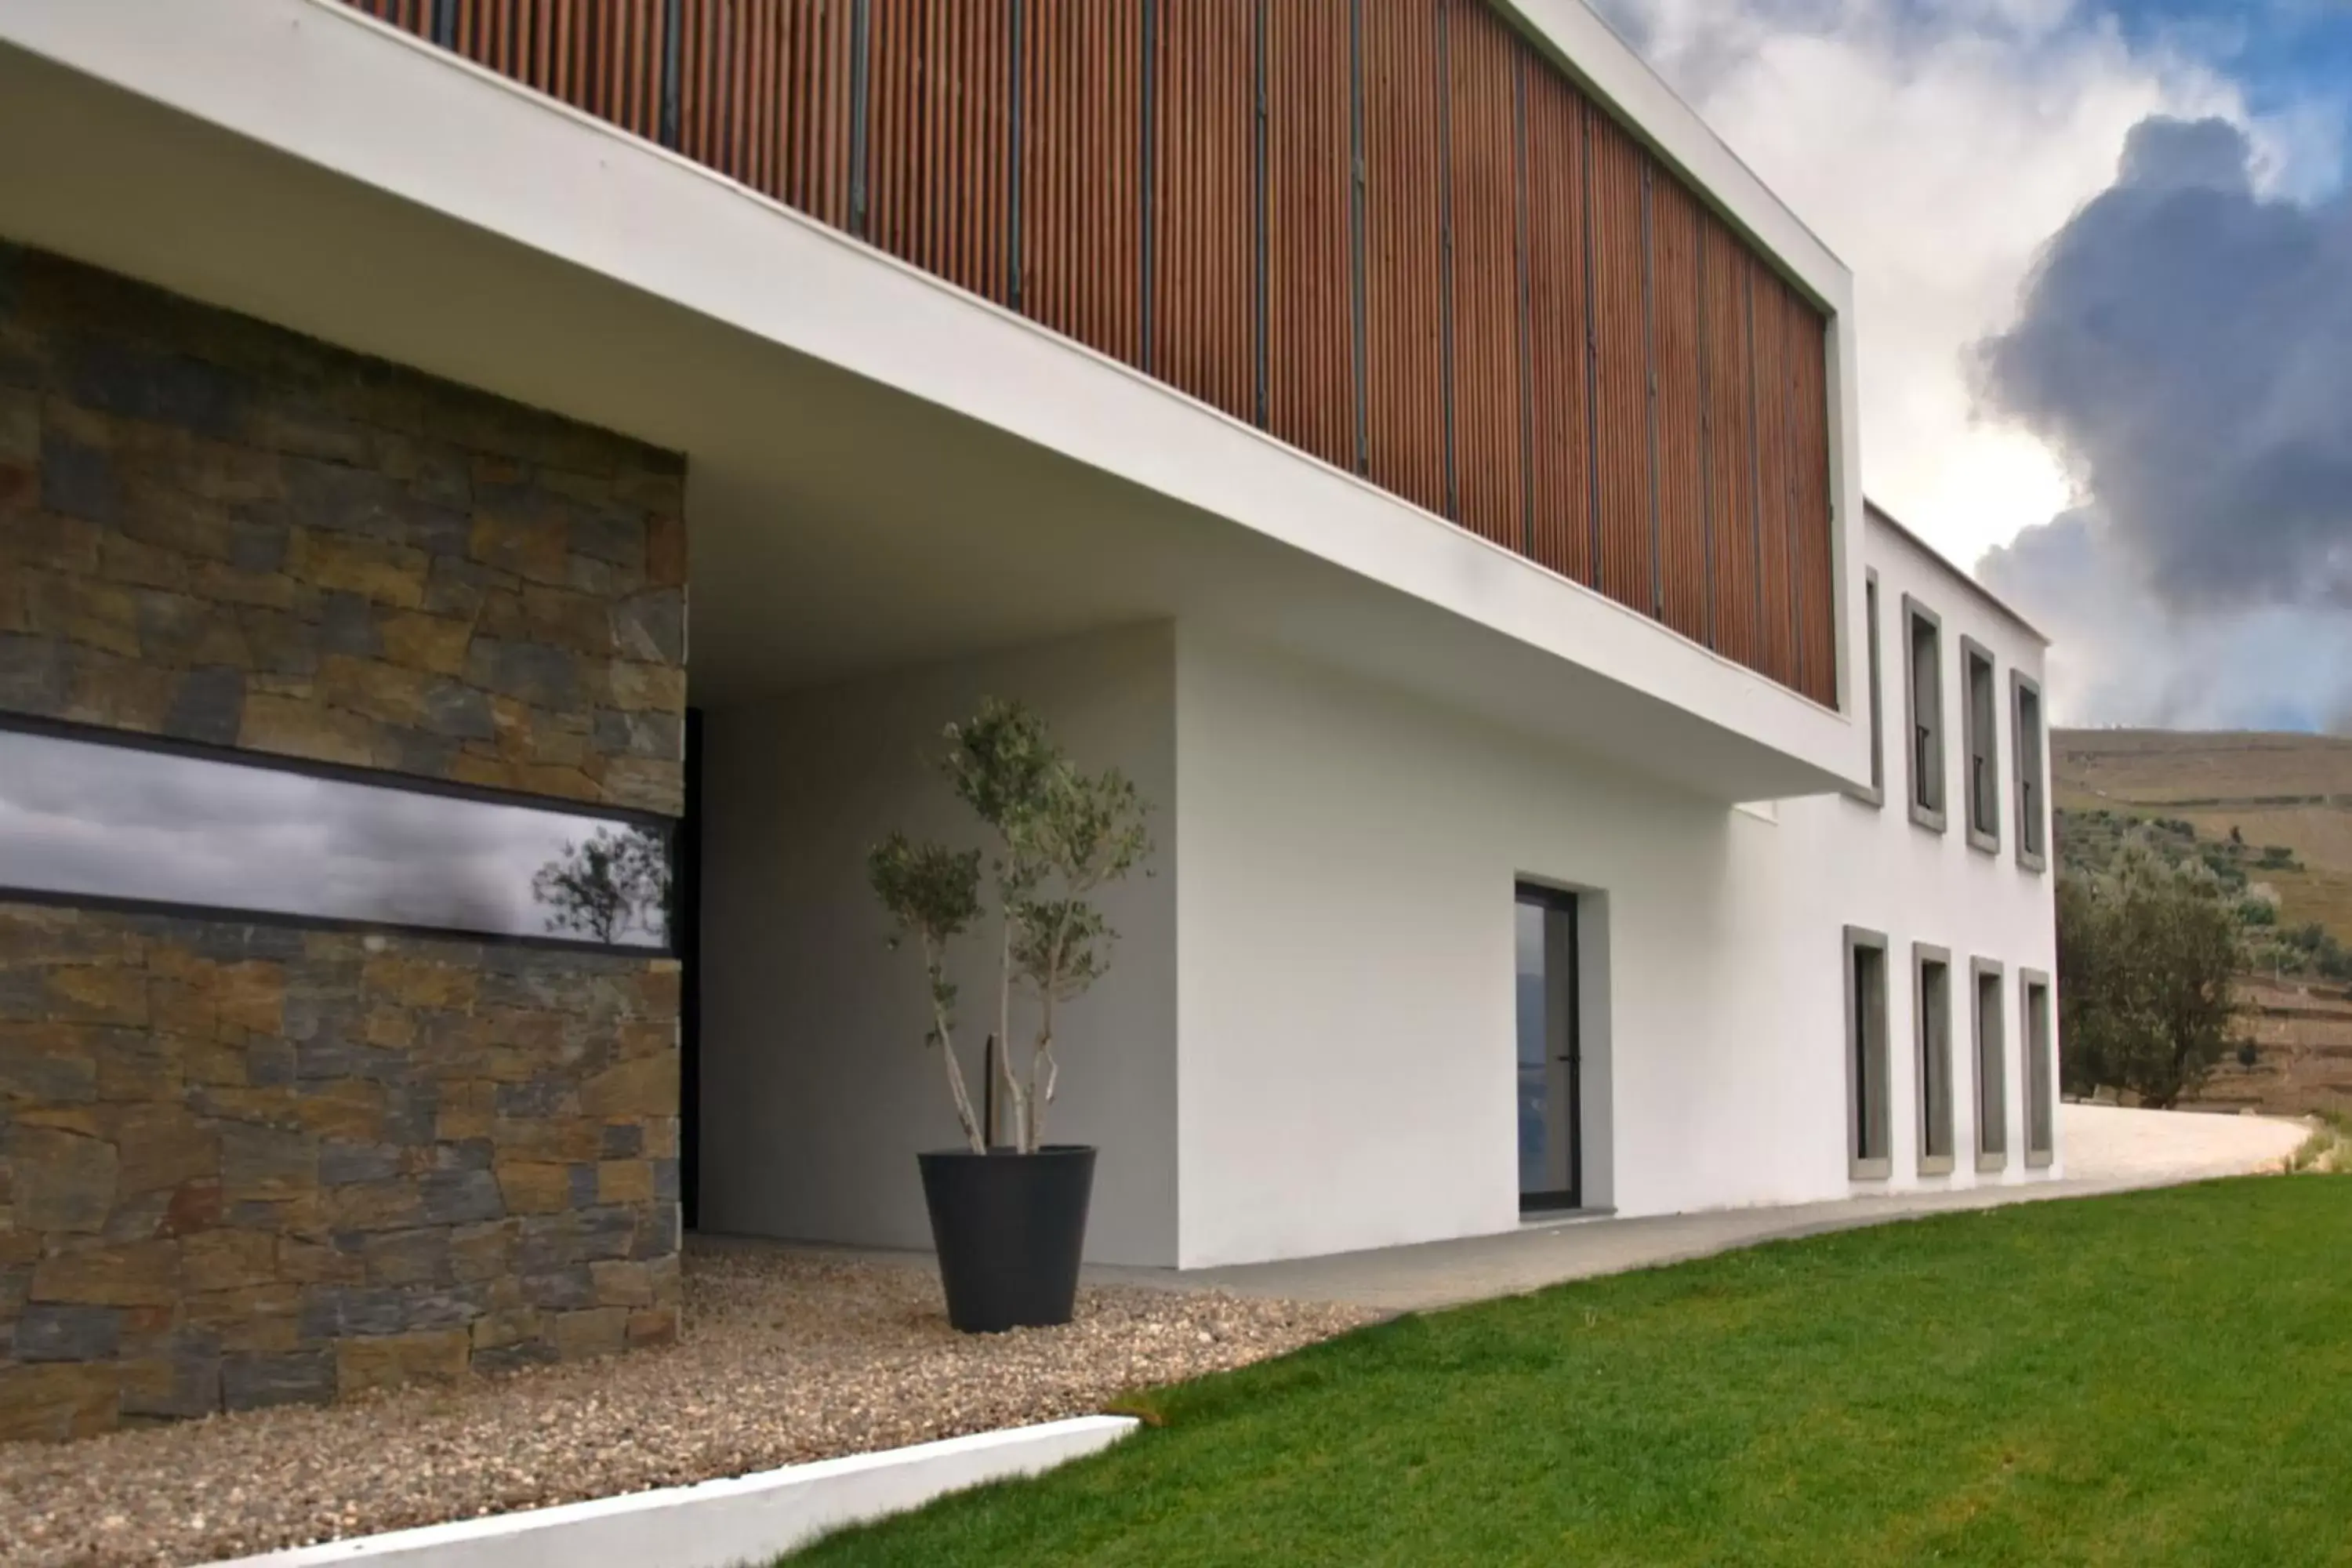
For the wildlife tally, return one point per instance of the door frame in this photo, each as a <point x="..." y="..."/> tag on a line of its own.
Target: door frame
<point x="686" y="945"/>
<point x="1561" y="900"/>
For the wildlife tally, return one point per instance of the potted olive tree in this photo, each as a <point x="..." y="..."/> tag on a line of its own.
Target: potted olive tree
<point x="1010" y="1220"/>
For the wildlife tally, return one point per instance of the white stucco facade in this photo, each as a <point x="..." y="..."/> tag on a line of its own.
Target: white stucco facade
<point x="1347" y="862"/>
<point x="1307" y="1043"/>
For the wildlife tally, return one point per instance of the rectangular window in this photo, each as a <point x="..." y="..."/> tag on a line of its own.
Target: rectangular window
<point x="1931" y="978"/>
<point x="1923" y="711"/>
<point x="2025" y="752"/>
<point x="1876" y="793"/>
<point x="96" y="819"/>
<point x="1992" y="1087"/>
<point x="1868" y="1158"/>
<point x="2040" y="1071"/>
<point x="1980" y="732"/>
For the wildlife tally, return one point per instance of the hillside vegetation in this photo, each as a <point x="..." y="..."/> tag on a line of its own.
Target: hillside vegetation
<point x="2271" y="816"/>
<point x="2288" y="794"/>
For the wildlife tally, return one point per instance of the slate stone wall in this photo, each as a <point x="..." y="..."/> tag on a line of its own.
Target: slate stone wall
<point x="245" y="1164"/>
<point x="218" y="530"/>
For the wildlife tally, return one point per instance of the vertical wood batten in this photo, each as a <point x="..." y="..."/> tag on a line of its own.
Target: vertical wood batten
<point x="1731" y="508"/>
<point x="1627" y="572"/>
<point x="1261" y="345"/>
<point x="1404" y="381"/>
<point x="1680" y="503"/>
<point x="1081" y="139"/>
<point x="1817" y="559"/>
<point x="1204" y="235"/>
<point x="1519" y="68"/>
<point x="1481" y="180"/>
<point x="1558" y="329"/>
<point x="1445" y="348"/>
<point x="1771" y="297"/>
<point x="1311" y="360"/>
<point x="1356" y="304"/>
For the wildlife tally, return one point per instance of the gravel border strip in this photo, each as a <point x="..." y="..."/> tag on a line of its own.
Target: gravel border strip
<point x="786" y="1356"/>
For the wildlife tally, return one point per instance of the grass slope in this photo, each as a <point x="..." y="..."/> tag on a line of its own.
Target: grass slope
<point x="2157" y="1378"/>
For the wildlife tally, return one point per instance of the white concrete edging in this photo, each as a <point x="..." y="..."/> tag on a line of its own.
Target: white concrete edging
<point x="718" y="1524"/>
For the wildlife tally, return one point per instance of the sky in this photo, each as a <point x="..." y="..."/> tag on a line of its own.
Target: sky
<point x="2102" y="256"/>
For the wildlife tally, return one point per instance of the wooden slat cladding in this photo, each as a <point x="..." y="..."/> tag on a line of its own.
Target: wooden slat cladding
<point x="1622" y="370"/>
<point x="1675" y="322"/>
<point x="1811" y="517"/>
<point x="606" y="58"/>
<point x="1559" y="329"/>
<point x="1403" y="277"/>
<point x="1482" y="59"/>
<point x="1768" y="325"/>
<point x="764" y="95"/>
<point x="1310" y="326"/>
<point x="939" y="133"/>
<point x="1391" y="232"/>
<point x="415" y="15"/>
<point x="1204" y="224"/>
<point x="1728" y="369"/>
<point x="1081" y="169"/>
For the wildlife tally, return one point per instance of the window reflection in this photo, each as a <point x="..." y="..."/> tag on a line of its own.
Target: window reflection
<point x="94" y="819"/>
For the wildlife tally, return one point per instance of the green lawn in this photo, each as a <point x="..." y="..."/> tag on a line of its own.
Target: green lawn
<point x="2164" y="1377"/>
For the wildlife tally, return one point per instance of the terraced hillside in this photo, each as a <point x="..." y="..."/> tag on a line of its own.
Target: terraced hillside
<point x="2272" y="813"/>
<point x="2293" y="792"/>
<point x="2303" y="1038"/>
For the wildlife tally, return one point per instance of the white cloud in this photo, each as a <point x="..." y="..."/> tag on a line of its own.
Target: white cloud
<point x="2124" y="655"/>
<point x="1935" y="150"/>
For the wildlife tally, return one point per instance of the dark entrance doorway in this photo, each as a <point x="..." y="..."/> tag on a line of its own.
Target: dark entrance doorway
<point x="1551" y="1093"/>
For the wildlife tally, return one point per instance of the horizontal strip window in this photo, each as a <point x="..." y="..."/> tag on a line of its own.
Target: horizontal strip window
<point x="84" y="818"/>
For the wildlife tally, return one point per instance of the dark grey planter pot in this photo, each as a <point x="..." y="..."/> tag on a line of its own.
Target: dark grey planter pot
<point x="1010" y="1229"/>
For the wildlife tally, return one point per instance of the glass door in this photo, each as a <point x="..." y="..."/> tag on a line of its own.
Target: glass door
<point x="1550" y="1110"/>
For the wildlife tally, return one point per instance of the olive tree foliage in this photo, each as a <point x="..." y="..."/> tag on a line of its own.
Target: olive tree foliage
<point x="1059" y="835"/>
<point x="933" y="895"/>
<point x="2147" y="952"/>
<point x="614" y="881"/>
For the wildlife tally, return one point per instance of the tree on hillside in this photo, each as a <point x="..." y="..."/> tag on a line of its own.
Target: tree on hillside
<point x="2147" y="950"/>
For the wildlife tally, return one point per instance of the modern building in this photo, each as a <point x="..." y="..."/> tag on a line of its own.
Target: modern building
<point x="1395" y="433"/>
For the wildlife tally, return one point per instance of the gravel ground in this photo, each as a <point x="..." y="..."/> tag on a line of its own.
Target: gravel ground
<point x="785" y="1356"/>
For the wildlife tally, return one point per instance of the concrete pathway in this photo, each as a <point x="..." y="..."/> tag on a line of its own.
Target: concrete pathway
<point x="2107" y="1150"/>
<point x="2109" y="1143"/>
